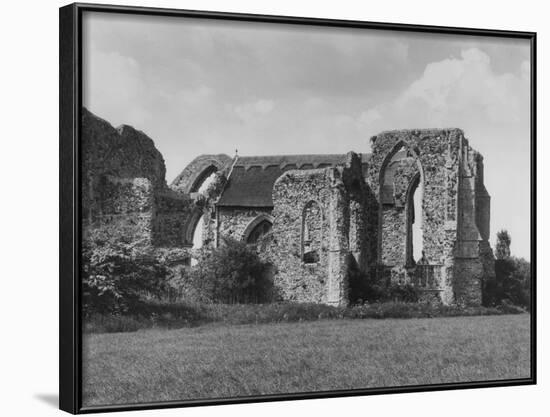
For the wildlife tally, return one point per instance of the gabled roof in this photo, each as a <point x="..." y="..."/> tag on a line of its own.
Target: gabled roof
<point x="251" y="181"/>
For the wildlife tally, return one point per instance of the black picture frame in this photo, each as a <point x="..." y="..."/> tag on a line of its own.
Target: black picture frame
<point x="70" y="93"/>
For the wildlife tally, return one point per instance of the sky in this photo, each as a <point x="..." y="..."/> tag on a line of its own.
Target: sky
<point x="198" y="86"/>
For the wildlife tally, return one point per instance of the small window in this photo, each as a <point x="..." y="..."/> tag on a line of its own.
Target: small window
<point x="312" y="221"/>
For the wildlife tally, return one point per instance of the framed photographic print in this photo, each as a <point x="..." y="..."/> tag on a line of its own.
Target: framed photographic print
<point x="258" y="208"/>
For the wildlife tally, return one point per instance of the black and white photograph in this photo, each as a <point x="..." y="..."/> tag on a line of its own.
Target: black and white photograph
<point x="270" y="209"/>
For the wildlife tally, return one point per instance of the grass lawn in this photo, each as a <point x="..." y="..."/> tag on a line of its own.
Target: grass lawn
<point x="216" y="361"/>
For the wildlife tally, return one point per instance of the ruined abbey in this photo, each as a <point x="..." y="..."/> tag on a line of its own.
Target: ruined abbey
<point x="312" y="217"/>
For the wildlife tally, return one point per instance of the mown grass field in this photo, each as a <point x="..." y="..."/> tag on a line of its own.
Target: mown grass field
<point x="215" y="361"/>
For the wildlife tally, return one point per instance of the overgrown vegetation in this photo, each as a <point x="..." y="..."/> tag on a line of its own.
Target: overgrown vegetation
<point x="119" y="272"/>
<point x="230" y="273"/>
<point x="512" y="281"/>
<point x="178" y="315"/>
<point x="362" y="289"/>
<point x="126" y="288"/>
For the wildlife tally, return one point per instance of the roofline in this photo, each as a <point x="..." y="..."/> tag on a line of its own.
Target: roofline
<point x="243" y="206"/>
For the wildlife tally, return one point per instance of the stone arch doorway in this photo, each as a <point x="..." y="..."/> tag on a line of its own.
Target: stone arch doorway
<point x="258" y="227"/>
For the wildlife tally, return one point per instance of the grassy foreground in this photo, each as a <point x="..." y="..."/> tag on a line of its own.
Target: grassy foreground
<point x="216" y="361"/>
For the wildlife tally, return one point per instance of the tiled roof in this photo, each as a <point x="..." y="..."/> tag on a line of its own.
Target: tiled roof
<point x="251" y="181"/>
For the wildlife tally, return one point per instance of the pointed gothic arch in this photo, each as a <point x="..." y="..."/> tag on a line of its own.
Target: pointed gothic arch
<point x="386" y="199"/>
<point x="258" y="227"/>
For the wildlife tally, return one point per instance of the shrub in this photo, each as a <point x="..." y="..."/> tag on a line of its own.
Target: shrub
<point x="511" y="284"/>
<point x="231" y="273"/>
<point x="118" y="272"/>
<point x="369" y="291"/>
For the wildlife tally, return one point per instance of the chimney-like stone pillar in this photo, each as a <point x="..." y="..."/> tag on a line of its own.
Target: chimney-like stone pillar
<point x="338" y="241"/>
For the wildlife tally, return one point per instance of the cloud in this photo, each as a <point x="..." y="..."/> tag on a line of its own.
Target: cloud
<point x="492" y="107"/>
<point x="114" y="87"/>
<point x="457" y="91"/>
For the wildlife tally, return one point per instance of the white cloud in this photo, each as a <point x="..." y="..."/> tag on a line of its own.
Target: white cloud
<point x="454" y="92"/>
<point x="492" y="108"/>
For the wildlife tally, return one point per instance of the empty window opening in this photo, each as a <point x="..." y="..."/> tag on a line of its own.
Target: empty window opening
<point x="417" y="225"/>
<point x="387" y="185"/>
<point x="312" y="221"/>
<point x="198" y="238"/>
<point x="414" y="222"/>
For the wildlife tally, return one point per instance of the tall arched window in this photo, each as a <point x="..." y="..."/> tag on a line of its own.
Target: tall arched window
<point x="387" y="175"/>
<point x="312" y="231"/>
<point x="399" y="232"/>
<point x="414" y="221"/>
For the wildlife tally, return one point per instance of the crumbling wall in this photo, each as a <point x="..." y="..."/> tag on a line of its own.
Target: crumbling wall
<point x="109" y="153"/>
<point x="432" y="149"/>
<point x="125" y="205"/>
<point x="124" y="186"/>
<point x="453" y="205"/>
<point x="319" y="220"/>
<point x="170" y="214"/>
<point x="359" y="237"/>
<point x="194" y="172"/>
<point x="296" y="280"/>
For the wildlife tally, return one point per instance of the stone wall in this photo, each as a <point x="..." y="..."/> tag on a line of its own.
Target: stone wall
<point x="455" y="207"/>
<point x="124" y="186"/>
<point x="293" y="191"/>
<point x="194" y="172"/>
<point x="233" y="221"/>
<point x="124" y="204"/>
<point x="319" y="220"/>
<point x="325" y="216"/>
<point x="170" y="215"/>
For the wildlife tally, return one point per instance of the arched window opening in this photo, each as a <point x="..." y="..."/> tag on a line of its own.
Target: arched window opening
<point x="198" y="237"/>
<point x="312" y="224"/>
<point x="259" y="230"/>
<point x="415" y="250"/>
<point x="258" y="227"/>
<point x="202" y="182"/>
<point x="418" y="249"/>
<point x="387" y="183"/>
